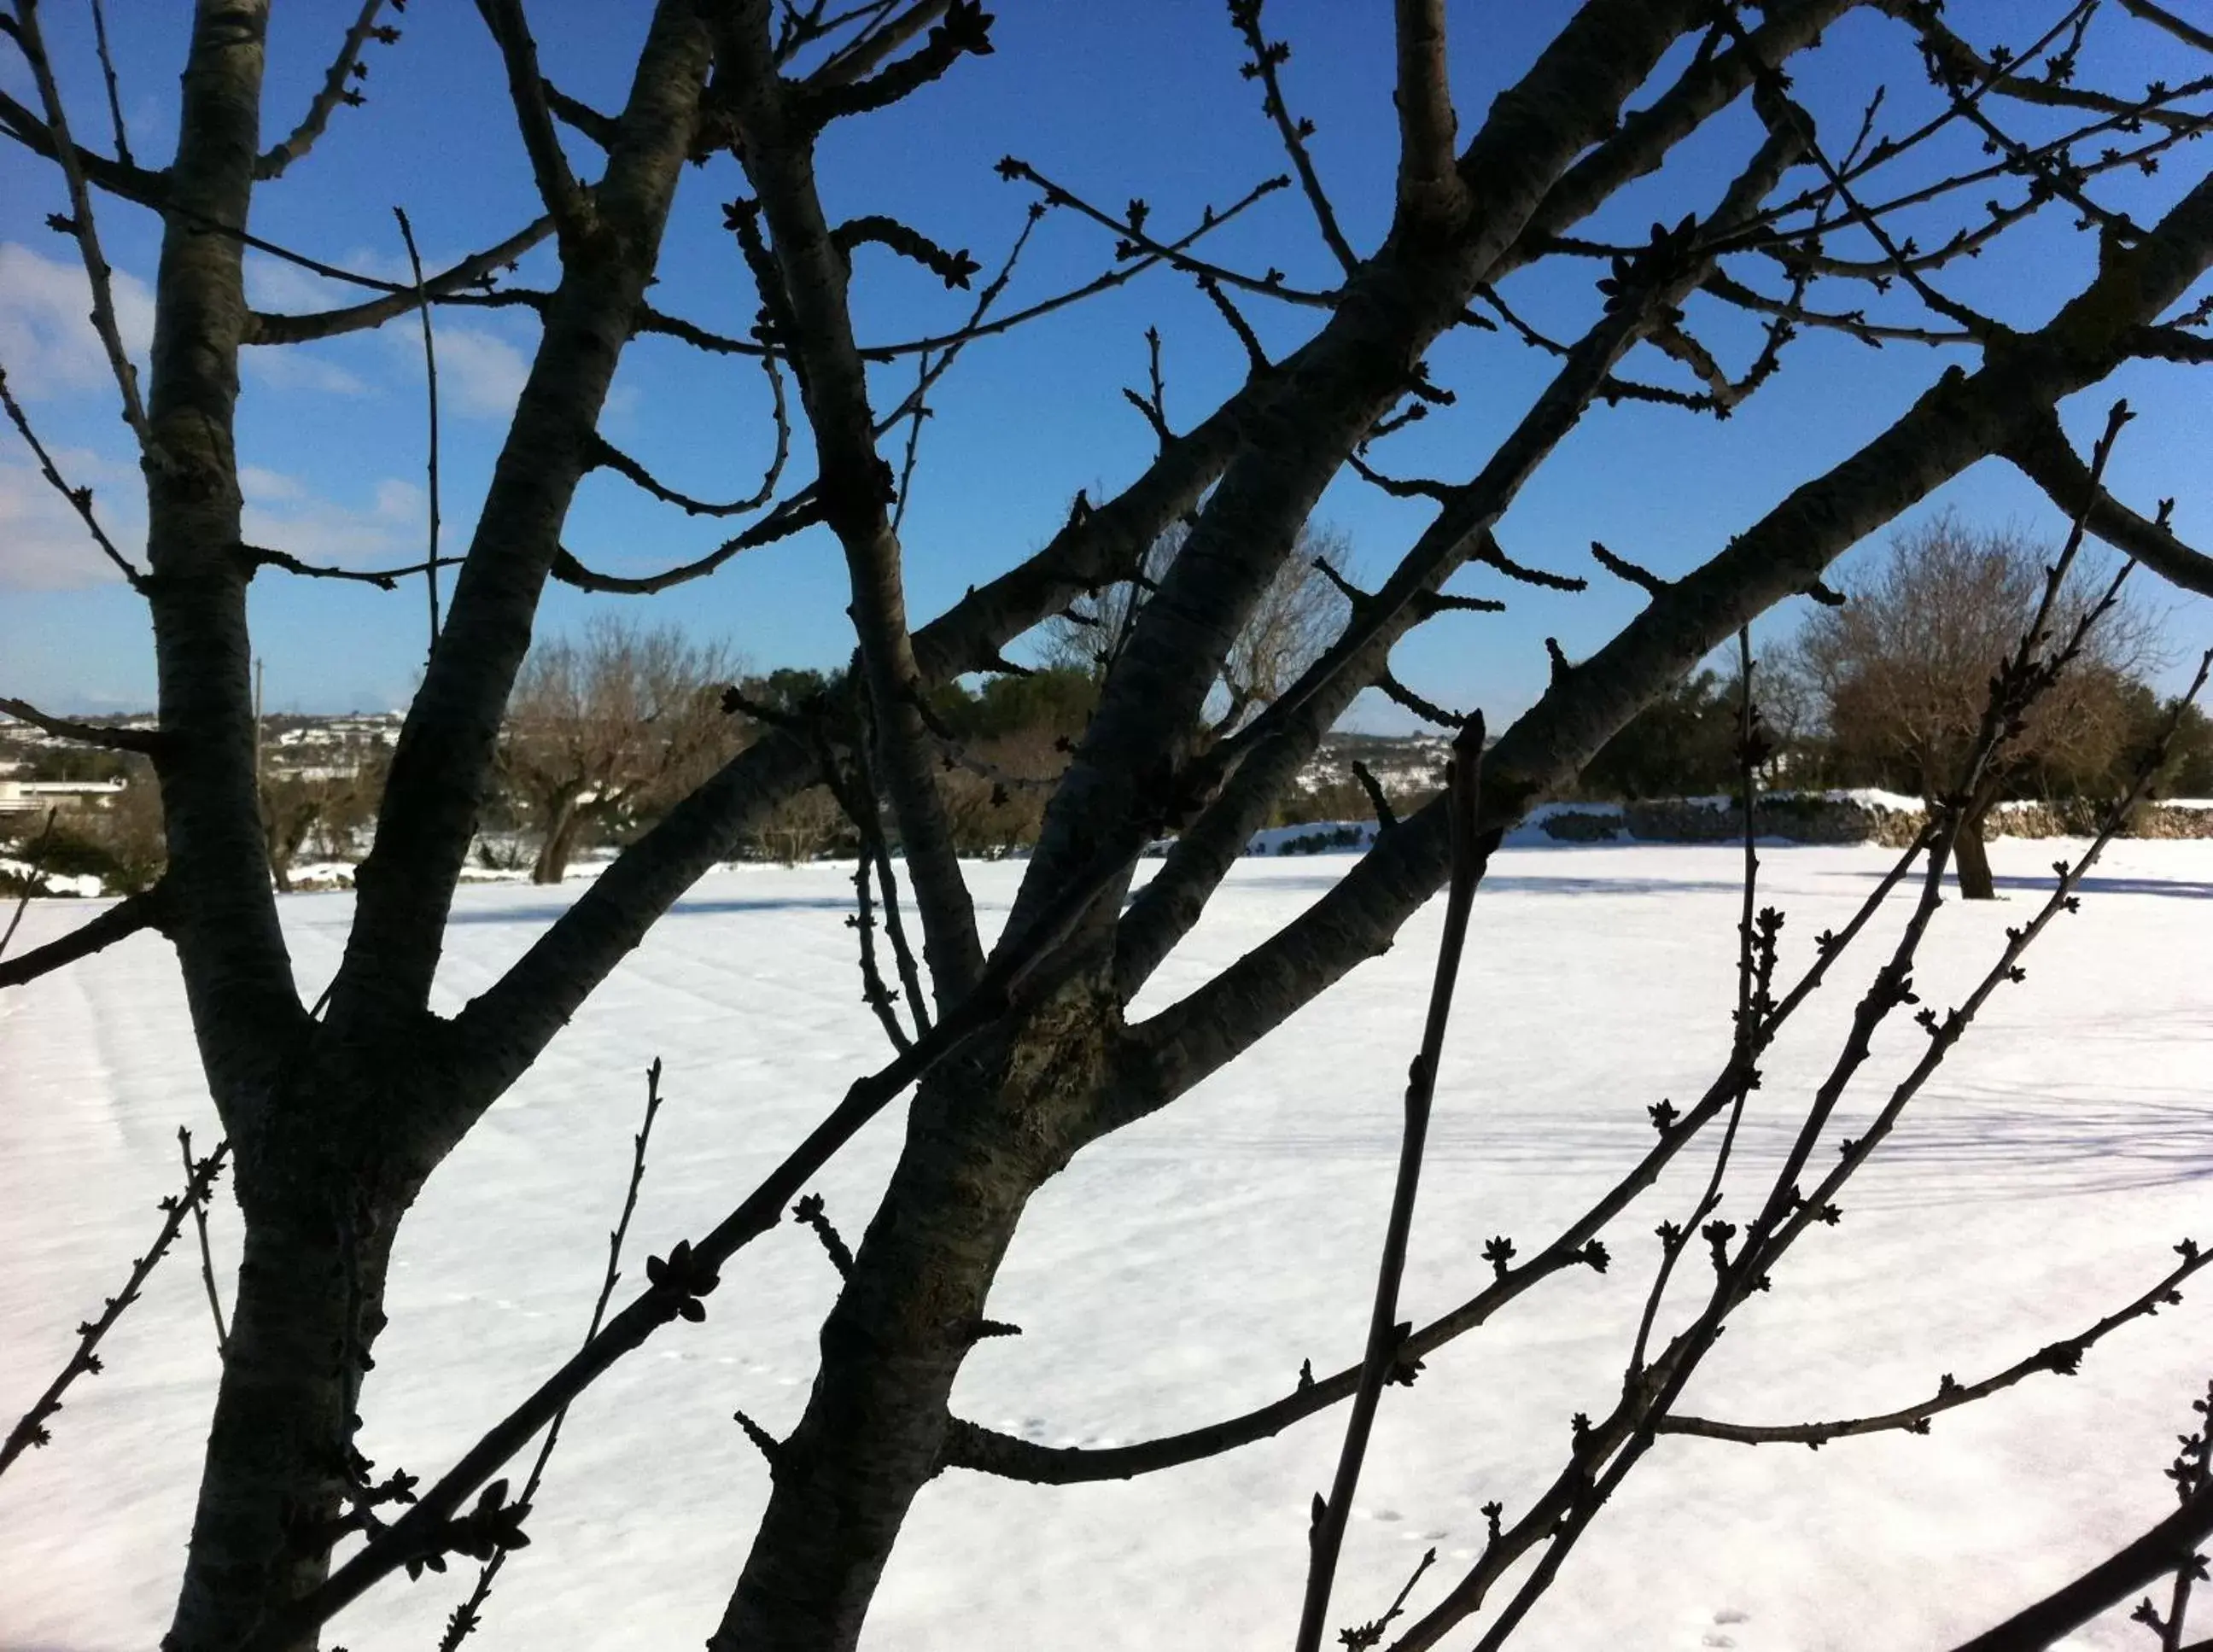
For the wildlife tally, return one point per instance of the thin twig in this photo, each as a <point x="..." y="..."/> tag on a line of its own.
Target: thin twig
<point x="80" y="223"/>
<point x="80" y="499"/>
<point x="1471" y="854"/>
<point x="1135" y="242"/>
<point x="467" y="1615"/>
<point x="395" y="300"/>
<point x="2061" y="1356"/>
<point x="928" y="370"/>
<point x="879" y="998"/>
<point x="2191" y="1472"/>
<point x="384" y="579"/>
<point x="1267" y="56"/>
<point x="903" y="959"/>
<point x="32" y="883"/>
<point x="1753" y="1019"/>
<point x="85" y="1361"/>
<point x="607" y="455"/>
<point x="207" y="1256"/>
<point x="430" y="376"/>
<point x="107" y="74"/>
<point x="345" y="68"/>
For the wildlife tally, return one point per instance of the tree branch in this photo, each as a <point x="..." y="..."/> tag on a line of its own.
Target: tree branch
<point x="1471" y="854"/>
<point x="1429" y="188"/>
<point x="1342" y="382"/>
<point x="2171" y="344"/>
<point x="1962" y="418"/>
<point x="509" y="1024"/>
<point x="690" y="1271"/>
<point x="31" y="1429"/>
<point x="1268" y="57"/>
<point x="567" y="203"/>
<point x="1170" y="904"/>
<point x="384" y="579"/>
<point x="80" y="223"/>
<point x="966" y="28"/>
<point x="2171" y="1542"/>
<point x="446" y="747"/>
<point x="862" y="55"/>
<point x="398" y="300"/>
<point x="982" y="1449"/>
<point x="2061" y="1356"/>
<point x="1135" y="243"/>
<point x="118" y="178"/>
<point x="855" y="484"/>
<point x="126" y="917"/>
<point x="1642" y="139"/>
<point x="2188" y="34"/>
<point x="114" y="91"/>
<point x="80" y="499"/>
<point x="430" y="464"/>
<point x="600" y="129"/>
<point x="794" y="516"/>
<point x="147" y="741"/>
<point x="608" y="456"/>
<point x="347" y="66"/>
<point x="2041" y="451"/>
<point x="468" y="1616"/>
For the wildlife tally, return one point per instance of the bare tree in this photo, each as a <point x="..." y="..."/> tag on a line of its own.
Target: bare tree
<point x="1030" y="1055"/>
<point x="608" y="726"/>
<point x="1298" y="614"/>
<point x="1900" y="670"/>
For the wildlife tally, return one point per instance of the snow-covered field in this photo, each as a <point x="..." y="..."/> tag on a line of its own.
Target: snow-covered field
<point x="1182" y="1270"/>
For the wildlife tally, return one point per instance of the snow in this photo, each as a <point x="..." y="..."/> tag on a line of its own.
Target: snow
<point x="52" y="883"/>
<point x="1182" y="1270"/>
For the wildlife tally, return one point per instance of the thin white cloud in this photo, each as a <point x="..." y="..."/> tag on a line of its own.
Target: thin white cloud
<point x="401" y="502"/>
<point x="263" y="487"/>
<point x="289" y="367"/>
<point x="288" y="517"/>
<point x="276" y="284"/>
<point x="480" y="373"/>
<point x="44" y="545"/>
<point x="49" y="348"/>
<point x="48" y="342"/>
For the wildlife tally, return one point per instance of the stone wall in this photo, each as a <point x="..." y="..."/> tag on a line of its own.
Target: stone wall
<point x="1845" y="818"/>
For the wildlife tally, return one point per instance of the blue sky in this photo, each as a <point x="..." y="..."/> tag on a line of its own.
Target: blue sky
<point x="1139" y="97"/>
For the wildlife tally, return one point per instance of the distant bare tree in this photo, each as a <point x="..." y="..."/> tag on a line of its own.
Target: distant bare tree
<point x="1900" y="670"/>
<point x="322" y="809"/>
<point x="1298" y="615"/>
<point x="603" y="726"/>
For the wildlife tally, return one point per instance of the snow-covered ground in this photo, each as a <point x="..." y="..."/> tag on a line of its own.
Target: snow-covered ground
<point x="1182" y="1270"/>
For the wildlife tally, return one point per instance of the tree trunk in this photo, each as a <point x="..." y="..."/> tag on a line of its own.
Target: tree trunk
<point x="563" y="822"/>
<point x="1973" y="859"/>
<point x="309" y="1303"/>
<point x="979" y="1145"/>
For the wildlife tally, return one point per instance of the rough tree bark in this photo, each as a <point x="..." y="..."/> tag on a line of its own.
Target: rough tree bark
<point x="1974" y="855"/>
<point x="983" y="1141"/>
<point x="336" y="1125"/>
<point x="561" y="822"/>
